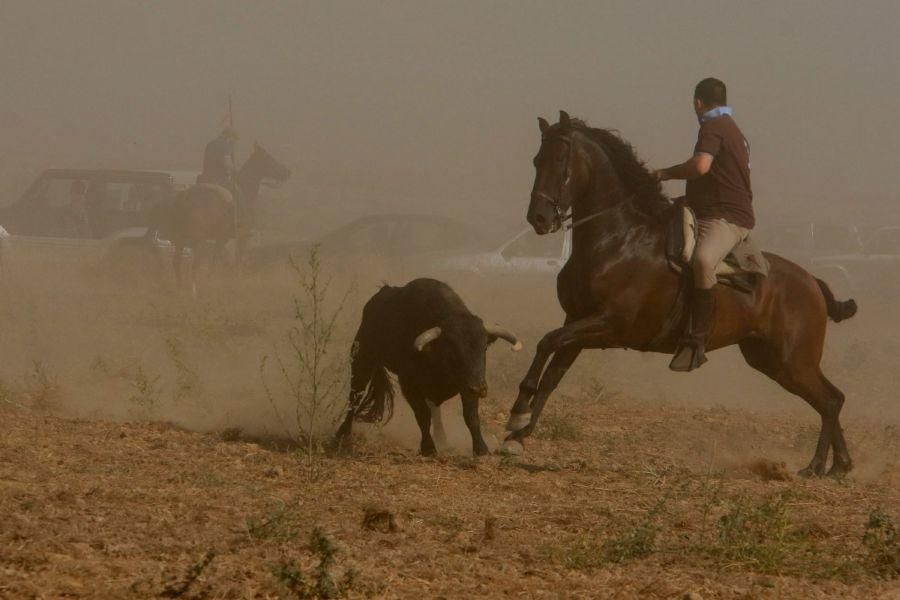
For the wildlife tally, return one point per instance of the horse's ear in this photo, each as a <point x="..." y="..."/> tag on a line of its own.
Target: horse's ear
<point x="543" y="124"/>
<point x="564" y="118"/>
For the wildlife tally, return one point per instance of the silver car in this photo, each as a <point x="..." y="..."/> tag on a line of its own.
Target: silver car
<point x="527" y="253"/>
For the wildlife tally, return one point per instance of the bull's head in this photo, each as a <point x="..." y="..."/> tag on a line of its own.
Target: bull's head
<point x="460" y="344"/>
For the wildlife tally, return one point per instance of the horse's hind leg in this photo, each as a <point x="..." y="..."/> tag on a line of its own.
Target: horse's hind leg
<point x="806" y="381"/>
<point x="841" y="463"/>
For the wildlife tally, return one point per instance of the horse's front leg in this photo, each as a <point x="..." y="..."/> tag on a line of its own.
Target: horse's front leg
<point x="522" y="425"/>
<point x="520" y="414"/>
<point x="565" y="344"/>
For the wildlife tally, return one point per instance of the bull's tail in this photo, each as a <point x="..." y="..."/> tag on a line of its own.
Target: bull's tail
<point x="377" y="402"/>
<point x="837" y="310"/>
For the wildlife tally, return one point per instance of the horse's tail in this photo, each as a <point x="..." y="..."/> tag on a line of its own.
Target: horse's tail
<point x="837" y="310"/>
<point x="377" y="403"/>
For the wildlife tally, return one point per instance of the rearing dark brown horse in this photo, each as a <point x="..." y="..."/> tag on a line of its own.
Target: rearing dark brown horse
<point x="618" y="291"/>
<point x="206" y="213"/>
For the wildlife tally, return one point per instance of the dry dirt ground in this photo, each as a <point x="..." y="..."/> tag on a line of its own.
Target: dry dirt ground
<point x="139" y="458"/>
<point x="627" y="500"/>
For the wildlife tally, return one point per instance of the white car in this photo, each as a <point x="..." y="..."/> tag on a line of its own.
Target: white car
<point x="527" y="253"/>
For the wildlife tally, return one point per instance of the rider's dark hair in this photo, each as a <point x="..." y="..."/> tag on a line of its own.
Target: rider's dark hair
<point x="711" y="92"/>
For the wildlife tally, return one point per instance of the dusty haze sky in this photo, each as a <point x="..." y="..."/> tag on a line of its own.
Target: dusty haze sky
<point x="432" y="105"/>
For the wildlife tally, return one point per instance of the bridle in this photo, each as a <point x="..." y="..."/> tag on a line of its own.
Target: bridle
<point x="561" y="215"/>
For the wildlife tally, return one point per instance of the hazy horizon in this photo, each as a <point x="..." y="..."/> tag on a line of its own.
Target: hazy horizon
<point x="429" y="106"/>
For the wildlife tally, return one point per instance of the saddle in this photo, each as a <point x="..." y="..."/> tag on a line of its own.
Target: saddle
<point x="742" y="268"/>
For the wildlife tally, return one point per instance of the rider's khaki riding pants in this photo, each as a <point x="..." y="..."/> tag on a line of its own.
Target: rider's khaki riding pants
<point x="715" y="240"/>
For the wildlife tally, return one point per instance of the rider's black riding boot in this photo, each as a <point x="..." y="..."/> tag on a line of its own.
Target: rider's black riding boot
<point x="691" y="348"/>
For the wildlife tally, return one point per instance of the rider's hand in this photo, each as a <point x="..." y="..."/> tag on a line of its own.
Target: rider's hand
<point x="660" y="175"/>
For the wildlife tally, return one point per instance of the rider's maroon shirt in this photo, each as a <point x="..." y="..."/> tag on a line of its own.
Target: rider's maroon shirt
<point x="724" y="192"/>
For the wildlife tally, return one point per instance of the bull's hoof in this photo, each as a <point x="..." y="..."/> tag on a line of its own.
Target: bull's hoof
<point x="511" y="448"/>
<point x="518" y="421"/>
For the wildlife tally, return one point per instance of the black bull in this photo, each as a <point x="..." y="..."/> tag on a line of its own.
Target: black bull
<point x="423" y="333"/>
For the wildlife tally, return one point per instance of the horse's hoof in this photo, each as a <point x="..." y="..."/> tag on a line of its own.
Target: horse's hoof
<point x="840" y="470"/>
<point x="517" y="346"/>
<point x="511" y="448"/>
<point x="811" y="471"/>
<point x="518" y="421"/>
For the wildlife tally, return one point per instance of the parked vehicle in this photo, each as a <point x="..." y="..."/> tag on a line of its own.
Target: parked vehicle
<point x="97" y="213"/>
<point x="526" y="253"/>
<point x="873" y="270"/>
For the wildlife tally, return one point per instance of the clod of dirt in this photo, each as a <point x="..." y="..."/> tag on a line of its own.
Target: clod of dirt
<point x="275" y="472"/>
<point x="770" y="470"/>
<point x="231" y="434"/>
<point x="379" y="519"/>
<point x="490" y="529"/>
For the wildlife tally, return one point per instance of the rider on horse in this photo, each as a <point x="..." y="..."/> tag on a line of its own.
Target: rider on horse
<point x="218" y="160"/>
<point x="718" y="191"/>
<point x="219" y="168"/>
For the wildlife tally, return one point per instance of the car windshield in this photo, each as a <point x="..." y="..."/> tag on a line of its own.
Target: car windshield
<point x="531" y="245"/>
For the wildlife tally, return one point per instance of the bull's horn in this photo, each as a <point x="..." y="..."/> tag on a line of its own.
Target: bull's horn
<point x="505" y="334"/>
<point x="426" y="337"/>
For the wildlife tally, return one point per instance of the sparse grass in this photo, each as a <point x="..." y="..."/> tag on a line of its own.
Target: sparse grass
<point x="882" y="544"/>
<point x="638" y="540"/>
<point x="43" y="389"/>
<point x="186" y="380"/>
<point x="7" y="396"/>
<point x="558" y="427"/>
<point x="179" y="588"/>
<point x="145" y="392"/>
<point x="755" y="534"/>
<point x="281" y="523"/>
<point x="315" y="368"/>
<point x="321" y="583"/>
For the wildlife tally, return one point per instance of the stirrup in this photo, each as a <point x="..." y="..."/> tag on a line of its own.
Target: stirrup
<point x="689" y="356"/>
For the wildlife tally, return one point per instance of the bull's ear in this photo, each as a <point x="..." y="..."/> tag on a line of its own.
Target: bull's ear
<point x="543" y="124"/>
<point x="564" y="118"/>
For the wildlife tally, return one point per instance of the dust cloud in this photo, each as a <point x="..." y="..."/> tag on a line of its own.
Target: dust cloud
<point x="422" y="108"/>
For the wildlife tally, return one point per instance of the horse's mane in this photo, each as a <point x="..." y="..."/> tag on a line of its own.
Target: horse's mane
<point x="639" y="182"/>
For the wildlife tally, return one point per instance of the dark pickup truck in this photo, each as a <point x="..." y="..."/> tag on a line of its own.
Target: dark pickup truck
<point x="111" y="202"/>
<point x="95" y="212"/>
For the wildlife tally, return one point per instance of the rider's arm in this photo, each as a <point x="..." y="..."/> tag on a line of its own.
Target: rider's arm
<point x="696" y="166"/>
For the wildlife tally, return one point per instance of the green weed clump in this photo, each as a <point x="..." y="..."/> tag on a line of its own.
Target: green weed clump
<point x="882" y="544"/>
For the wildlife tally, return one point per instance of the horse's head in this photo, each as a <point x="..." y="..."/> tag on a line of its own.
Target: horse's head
<point x="562" y="172"/>
<point x="266" y="167"/>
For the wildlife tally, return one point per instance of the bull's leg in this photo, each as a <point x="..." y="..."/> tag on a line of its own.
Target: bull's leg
<point x="473" y="422"/>
<point x="577" y="333"/>
<point x="423" y="418"/>
<point x="437" y="424"/>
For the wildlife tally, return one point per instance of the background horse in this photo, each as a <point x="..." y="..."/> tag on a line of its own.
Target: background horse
<point x="208" y="213"/>
<point x="618" y="291"/>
